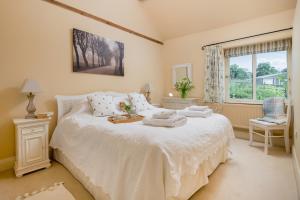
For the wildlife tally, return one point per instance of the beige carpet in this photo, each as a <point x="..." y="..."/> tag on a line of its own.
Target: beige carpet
<point x="248" y="175"/>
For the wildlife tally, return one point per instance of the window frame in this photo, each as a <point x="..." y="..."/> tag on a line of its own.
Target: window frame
<point x="254" y="65"/>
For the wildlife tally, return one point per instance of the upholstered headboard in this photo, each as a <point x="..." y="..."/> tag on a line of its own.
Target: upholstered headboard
<point x="65" y="103"/>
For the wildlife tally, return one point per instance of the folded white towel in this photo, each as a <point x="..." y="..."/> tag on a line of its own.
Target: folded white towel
<point x="189" y="113"/>
<point x="166" y="114"/>
<point x="173" y="121"/>
<point x="198" y="108"/>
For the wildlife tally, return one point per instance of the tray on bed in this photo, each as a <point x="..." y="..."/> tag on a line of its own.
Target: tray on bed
<point x="125" y="118"/>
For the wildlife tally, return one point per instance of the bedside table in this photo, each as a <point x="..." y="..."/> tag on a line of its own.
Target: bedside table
<point x="179" y="103"/>
<point x="32" y="151"/>
<point x="157" y="105"/>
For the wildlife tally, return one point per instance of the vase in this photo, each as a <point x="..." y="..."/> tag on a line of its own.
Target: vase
<point x="183" y="94"/>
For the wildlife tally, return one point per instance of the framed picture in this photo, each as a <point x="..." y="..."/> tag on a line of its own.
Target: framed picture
<point x="181" y="71"/>
<point x="97" y="55"/>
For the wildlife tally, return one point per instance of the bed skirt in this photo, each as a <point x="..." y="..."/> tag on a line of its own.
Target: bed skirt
<point x="189" y="183"/>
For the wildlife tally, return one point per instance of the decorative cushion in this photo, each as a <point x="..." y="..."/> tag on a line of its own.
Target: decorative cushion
<point x="66" y="103"/>
<point x="139" y="102"/>
<point x="101" y="105"/>
<point x="81" y="107"/>
<point x="274" y="107"/>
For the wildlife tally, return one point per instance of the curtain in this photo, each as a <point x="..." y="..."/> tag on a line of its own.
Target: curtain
<point x="270" y="46"/>
<point x="214" y="75"/>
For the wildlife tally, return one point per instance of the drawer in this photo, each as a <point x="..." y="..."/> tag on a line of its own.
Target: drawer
<point x="168" y="105"/>
<point x="176" y="101"/>
<point x="175" y="105"/>
<point x="30" y="130"/>
<point x="181" y="106"/>
<point x="179" y="100"/>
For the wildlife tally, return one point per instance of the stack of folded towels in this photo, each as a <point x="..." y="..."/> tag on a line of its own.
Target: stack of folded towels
<point x="167" y="118"/>
<point x="196" y="111"/>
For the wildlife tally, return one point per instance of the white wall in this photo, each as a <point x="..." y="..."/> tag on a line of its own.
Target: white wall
<point x="296" y="79"/>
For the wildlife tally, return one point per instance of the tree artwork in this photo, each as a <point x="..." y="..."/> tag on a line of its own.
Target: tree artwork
<point x="97" y="55"/>
<point x="76" y="64"/>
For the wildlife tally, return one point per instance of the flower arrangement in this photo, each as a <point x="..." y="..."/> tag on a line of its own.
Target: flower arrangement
<point x="126" y="107"/>
<point x="184" y="86"/>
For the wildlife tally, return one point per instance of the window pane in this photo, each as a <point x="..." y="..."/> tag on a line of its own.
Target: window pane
<point x="241" y="77"/>
<point x="271" y="75"/>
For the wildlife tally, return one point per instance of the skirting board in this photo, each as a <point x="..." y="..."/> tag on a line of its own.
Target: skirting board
<point x="7" y="163"/>
<point x="296" y="169"/>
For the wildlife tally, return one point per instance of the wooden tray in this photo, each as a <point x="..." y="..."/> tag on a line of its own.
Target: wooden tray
<point x="128" y="119"/>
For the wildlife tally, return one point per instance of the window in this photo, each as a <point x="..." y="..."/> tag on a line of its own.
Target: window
<point x="252" y="78"/>
<point x="241" y="86"/>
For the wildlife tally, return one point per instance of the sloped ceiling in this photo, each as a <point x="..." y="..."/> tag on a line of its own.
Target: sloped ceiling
<point x="175" y="18"/>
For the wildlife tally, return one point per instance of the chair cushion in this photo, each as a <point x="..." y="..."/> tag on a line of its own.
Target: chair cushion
<point x="274" y="107"/>
<point x="258" y="122"/>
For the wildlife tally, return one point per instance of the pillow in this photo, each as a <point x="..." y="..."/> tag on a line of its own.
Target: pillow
<point x="139" y="102"/>
<point x="81" y="107"/>
<point x="66" y="103"/>
<point x="101" y="105"/>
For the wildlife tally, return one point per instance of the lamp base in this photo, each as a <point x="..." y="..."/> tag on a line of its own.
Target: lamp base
<point x="30" y="107"/>
<point x="148" y="98"/>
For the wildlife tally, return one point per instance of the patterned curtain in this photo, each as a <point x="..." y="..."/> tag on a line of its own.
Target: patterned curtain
<point x="270" y="46"/>
<point x="214" y="75"/>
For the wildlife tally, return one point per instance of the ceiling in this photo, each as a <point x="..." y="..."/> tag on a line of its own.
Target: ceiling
<point x="175" y="18"/>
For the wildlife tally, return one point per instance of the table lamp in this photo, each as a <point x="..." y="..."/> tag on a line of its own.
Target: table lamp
<point x="30" y="87"/>
<point x="147" y="90"/>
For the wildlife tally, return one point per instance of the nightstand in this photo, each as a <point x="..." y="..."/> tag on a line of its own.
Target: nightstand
<point x="179" y="103"/>
<point x="32" y="151"/>
<point x="157" y="105"/>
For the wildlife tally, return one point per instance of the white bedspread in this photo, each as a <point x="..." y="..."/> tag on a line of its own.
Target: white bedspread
<point x="134" y="161"/>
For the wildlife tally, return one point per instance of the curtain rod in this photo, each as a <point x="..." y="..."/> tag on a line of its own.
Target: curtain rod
<point x="101" y="20"/>
<point x="242" y="38"/>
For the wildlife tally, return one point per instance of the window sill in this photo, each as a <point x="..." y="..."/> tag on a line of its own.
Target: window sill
<point x="244" y="102"/>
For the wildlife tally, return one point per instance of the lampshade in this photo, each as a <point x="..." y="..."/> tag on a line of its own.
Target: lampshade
<point x="31" y="86"/>
<point x="148" y="87"/>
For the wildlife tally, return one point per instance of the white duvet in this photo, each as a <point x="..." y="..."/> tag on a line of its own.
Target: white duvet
<point x="137" y="162"/>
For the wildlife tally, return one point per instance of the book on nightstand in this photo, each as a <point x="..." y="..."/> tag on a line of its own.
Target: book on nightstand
<point x="44" y="115"/>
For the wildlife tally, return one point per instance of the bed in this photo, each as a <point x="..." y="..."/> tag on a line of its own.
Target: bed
<point x="133" y="161"/>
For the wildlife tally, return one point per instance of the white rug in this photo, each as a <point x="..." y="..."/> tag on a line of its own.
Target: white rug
<point x="58" y="191"/>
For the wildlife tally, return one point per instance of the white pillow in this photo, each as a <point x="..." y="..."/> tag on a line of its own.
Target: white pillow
<point x="66" y="103"/>
<point x="139" y="102"/>
<point x="81" y="107"/>
<point x="102" y="105"/>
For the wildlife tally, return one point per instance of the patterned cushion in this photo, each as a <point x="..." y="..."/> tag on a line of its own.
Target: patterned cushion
<point x="139" y="102"/>
<point x="102" y="105"/>
<point x="274" y="107"/>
